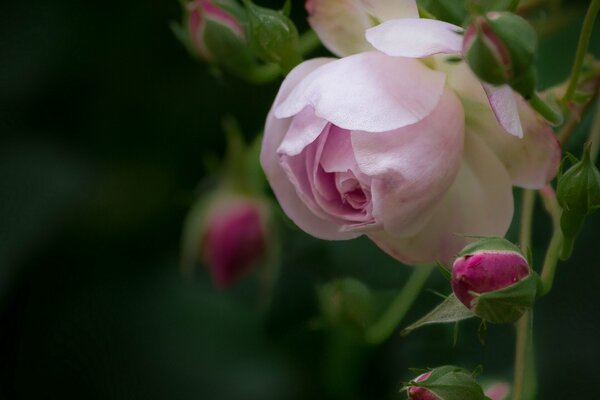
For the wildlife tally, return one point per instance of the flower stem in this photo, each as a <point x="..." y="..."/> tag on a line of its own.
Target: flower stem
<point x="552" y="253"/>
<point x="584" y="40"/>
<point x="309" y="42"/>
<point x="524" y="385"/>
<point x="384" y="327"/>
<point x="595" y="134"/>
<point x="524" y="379"/>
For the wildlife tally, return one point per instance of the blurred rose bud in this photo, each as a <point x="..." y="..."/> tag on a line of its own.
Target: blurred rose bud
<point x="273" y="36"/>
<point x="235" y="238"/>
<point x="445" y="383"/>
<point x="578" y="193"/>
<point x="346" y="302"/>
<point x="214" y="31"/>
<point x="229" y="233"/>
<point x="493" y="279"/>
<point x="500" y="48"/>
<point x="498" y="391"/>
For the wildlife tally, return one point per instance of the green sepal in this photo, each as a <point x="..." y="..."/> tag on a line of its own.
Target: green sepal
<point x="346" y="303"/>
<point x="451" y="383"/>
<point x="449" y="311"/>
<point x="273" y="36"/>
<point x="228" y="50"/>
<point x="489" y="244"/>
<point x="549" y="109"/>
<point x="445" y="10"/>
<point x="509" y="304"/>
<point x="578" y="193"/>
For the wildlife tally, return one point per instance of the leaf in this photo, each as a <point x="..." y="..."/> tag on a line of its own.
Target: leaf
<point x="450" y="310"/>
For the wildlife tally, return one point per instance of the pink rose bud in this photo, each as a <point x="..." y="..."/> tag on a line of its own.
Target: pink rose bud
<point x="205" y="20"/>
<point x="500" y="48"/>
<point x="234" y="238"/>
<point x="420" y="393"/>
<point x="445" y="383"/>
<point x="493" y="279"/>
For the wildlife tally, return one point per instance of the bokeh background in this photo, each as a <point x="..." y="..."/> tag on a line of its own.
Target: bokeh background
<point x="105" y="126"/>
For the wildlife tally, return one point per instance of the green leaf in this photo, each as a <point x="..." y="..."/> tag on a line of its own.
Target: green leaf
<point x="509" y="304"/>
<point x="450" y="310"/>
<point x="451" y="383"/>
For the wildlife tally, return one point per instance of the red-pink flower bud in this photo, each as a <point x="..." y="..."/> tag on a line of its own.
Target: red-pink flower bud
<point x="234" y="239"/>
<point x="421" y="393"/>
<point x="493" y="279"/>
<point x="207" y="20"/>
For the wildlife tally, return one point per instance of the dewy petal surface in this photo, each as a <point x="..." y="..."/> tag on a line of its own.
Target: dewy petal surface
<point x="370" y="92"/>
<point x="284" y="190"/>
<point x="416" y="37"/>
<point x="479" y="203"/>
<point x="412" y="167"/>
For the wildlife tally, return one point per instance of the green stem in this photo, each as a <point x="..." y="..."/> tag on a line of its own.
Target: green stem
<point x="584" y="40"/>
<point x="384" y="327"/>
<point x="309" y="42"/>
<point x="524" y="386"/>
<point x="527" y="205"/>
<point x="552" y="253"/>
<point x="524" y="379"/>
<point x="262" y="74"/>
<point x="595" y="134"/>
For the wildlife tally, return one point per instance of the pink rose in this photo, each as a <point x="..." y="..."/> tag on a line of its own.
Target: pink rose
<point x="406" y="152"/>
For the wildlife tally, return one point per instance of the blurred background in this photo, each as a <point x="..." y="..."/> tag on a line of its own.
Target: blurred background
<point x="106" y="124"/>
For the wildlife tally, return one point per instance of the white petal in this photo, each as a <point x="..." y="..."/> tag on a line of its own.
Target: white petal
<point x="416" y="37"/>
<point x="369" y="92"/>
<point x="503" y="102"/>
<point x="479" y="203"/>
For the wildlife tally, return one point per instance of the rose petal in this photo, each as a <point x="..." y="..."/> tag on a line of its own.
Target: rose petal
<point x="284" y="190"/>
<point x="416" y="37"/>
<point x="412" y="167"/>
<point x="340" y="24"/>
<point x="504" y="105"/>
<point x="304" y="129"/>
<point x="479" y="203"/>
<point x="385" y="10"/>
<point x="531" y="161"/>
<point x="369" y="92"/>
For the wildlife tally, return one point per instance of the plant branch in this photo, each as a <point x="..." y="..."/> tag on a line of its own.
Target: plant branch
<point x="584" y="40"/>
<point x="384" y="327"/>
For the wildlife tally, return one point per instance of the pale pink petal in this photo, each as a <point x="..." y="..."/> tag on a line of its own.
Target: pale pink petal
<point x="284" y="190"/>
<point x="503" y="102"/>
<point x="416" y="37"/>
<point x="479" y="203"/>
<point x="385" y="10"/>
<point x="369" y="91"/>
<point x="340" y="24"/>
<point x="304" y="129"/>
<point x="412" y="168"/>
<point x="531" y="161"/>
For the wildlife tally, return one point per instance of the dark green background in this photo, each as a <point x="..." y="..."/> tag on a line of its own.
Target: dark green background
<point x="105" y="123"/>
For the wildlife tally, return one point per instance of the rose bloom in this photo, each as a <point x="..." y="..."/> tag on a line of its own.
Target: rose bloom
<point x="404" y="148"/>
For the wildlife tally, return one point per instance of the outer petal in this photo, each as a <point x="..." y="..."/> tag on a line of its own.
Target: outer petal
<point x="503" y="102"/>
<point x="275" y="131"/>
<point x="369" y="92"/>
<point x="385" y="10"/>
<point x="479" y="203"/>
<point x="531" y="161"/>
<point x="416" y="37"/>
<point x="340" y="24"/>
<point x="413" y="167"/>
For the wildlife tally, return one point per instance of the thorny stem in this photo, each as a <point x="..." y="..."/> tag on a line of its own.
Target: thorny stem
<point x="584" y="40"/>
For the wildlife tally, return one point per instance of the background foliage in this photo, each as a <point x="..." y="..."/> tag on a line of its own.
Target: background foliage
<point x="105" y="126"/>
